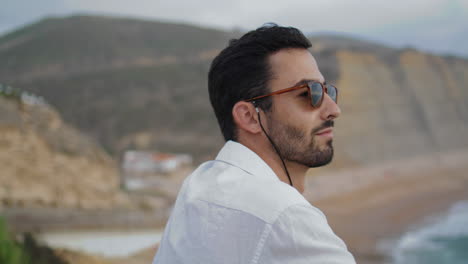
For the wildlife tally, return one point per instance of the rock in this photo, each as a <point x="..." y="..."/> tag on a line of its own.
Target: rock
<point x="46" y="163"/>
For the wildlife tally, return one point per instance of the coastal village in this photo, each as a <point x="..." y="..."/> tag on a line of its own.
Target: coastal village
<point x="147" y="169"/>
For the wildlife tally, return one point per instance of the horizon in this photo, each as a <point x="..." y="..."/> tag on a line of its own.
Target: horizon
<point x="435" y="26"/>
<point x="309" y="34"/>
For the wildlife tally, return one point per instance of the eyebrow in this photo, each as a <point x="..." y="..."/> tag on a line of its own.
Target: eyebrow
<point x="304" y="81"/>
<point x="297" y="86"/>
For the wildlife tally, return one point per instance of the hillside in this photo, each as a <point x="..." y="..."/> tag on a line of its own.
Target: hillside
<point x="57" y="47"/>
<point x="47" y="163"/>
<point x="142" y="84"/>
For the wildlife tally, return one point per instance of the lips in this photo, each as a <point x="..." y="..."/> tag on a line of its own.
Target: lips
<point x="325" y="131"/>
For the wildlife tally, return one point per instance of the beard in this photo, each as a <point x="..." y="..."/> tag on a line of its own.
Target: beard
<point x="293" y="145"/>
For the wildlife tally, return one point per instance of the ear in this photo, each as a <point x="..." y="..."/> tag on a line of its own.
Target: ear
<point x="245" y="117"/>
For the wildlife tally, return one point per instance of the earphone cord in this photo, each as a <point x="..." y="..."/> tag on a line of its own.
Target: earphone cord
<point x="274" y="146"/>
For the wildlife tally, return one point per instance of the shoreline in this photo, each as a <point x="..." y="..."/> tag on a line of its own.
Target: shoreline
<point x="37" y="220"/>
<point x="375" y="244"/>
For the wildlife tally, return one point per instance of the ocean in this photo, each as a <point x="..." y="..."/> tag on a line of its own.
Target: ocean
<point x="443" y="240"/>
<point x="107" y="243"/>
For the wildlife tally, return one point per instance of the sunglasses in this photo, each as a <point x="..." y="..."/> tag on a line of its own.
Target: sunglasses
<point x="315" y="89"/>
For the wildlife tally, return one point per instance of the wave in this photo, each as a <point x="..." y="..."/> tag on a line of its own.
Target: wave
<point x="444" y="240"/>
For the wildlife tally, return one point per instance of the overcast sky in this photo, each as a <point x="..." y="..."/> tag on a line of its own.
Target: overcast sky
<point x="435" y="25"/>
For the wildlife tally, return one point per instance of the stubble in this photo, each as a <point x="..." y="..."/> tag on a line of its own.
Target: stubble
<point x="295" y="146"/>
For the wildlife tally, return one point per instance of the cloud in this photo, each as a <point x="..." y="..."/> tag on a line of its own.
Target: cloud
<point x="15" y="13"/>
<point x="336" y="15"/>
<point x="380" y="18"/>
<point x="317" y="15"/>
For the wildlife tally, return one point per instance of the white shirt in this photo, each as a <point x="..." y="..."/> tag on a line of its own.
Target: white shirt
<point x="236" y="210"/>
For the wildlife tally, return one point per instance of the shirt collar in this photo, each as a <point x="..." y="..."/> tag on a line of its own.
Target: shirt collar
<point x="242" y="157"/>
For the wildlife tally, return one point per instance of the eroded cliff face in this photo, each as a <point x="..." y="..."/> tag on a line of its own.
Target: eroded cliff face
<point x="400" y="106"/>
<point x="46" y="163"/>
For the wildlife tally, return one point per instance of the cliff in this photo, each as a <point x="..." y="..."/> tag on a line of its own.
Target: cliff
<point x="411" y="104"/>
<point x="47" y="163"/>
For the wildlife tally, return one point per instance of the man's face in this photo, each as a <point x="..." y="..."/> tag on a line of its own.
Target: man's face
<point x="303" y="134"/>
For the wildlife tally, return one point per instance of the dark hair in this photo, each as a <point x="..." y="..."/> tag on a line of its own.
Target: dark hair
<point x="241" y="71"/>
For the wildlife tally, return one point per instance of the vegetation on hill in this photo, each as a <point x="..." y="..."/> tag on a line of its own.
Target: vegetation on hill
<point x="10" y="92"/>
<point x="116" y="106"/>
<point x="62" y="46"/>
<point x="11" y="252"/>
<point x="28" y="251"/>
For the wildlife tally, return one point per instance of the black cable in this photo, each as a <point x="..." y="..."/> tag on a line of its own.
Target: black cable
<point x="274" y="146"/>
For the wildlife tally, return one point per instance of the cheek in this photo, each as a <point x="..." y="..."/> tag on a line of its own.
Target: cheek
<point x="310" y="122"/>
<point x="292" y="114"/>
<point x="297" y="115"/>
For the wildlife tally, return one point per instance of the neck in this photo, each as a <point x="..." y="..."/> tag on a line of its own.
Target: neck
<point x="297" y="173"/>
<point x="268" y="154"/>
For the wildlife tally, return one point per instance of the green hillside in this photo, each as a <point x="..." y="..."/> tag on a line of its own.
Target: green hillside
<point x="56" y="47"/>
<point x="169" y="101"/>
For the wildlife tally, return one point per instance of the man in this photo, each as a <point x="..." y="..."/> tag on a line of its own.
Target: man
<point x="276" y="113"/>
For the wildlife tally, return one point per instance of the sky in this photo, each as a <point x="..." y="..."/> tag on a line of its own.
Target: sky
<point x="439" y="26"/>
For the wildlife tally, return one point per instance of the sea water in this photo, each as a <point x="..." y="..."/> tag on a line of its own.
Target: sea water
<point x="443" y="241"/>
<point x="101" y="242"/>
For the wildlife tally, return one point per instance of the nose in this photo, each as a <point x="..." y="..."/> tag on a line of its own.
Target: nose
<point x="330" y="110"/>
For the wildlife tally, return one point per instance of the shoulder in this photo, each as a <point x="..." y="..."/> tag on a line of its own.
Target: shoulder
<point x="301" y="234"/>
<point x="303" y="217"/>
<point x="220" y="183"/>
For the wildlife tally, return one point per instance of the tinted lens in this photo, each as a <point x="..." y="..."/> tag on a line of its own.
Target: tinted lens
<point x="332" y="92"/>
<point x="316" y="92"/>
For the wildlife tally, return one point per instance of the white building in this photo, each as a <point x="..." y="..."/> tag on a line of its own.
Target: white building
<point x="153" y="162"/>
